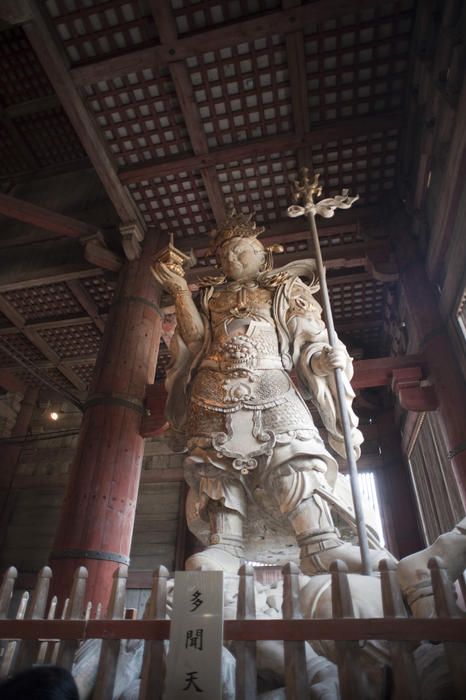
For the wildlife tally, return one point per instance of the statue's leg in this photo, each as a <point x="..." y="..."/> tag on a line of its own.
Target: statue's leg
<point x="225" y="541"/>
<point x="414" y="575"/>
<point x="312" y="522"/>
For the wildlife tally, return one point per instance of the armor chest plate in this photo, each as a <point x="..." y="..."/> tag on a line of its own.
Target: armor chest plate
<point x="241" y="302"/>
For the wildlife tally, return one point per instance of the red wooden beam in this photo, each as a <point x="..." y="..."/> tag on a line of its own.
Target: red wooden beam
<point x="392" y="629"/>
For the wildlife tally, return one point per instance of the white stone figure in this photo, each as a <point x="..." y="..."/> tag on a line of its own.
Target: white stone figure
<point x="248" y="431"/>
<point x="414" y="575"/>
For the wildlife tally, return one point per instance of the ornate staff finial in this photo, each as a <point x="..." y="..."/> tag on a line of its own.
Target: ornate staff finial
<point x="305" y="191"/>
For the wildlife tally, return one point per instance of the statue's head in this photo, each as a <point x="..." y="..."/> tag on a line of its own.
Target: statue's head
<point x="237" y="247"/>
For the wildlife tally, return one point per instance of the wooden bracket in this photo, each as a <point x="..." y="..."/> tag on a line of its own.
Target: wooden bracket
<point x="413" y="395"/>
<point x="132" y="235"/>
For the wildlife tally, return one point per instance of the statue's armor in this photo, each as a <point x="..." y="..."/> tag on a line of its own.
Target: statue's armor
<point x="248" y="427"/>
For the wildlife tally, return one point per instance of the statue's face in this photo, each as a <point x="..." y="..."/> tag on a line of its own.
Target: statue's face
<point x="241" y="258"/>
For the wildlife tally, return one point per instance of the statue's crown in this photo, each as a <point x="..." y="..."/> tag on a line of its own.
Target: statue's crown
<point x="234" y="226"/>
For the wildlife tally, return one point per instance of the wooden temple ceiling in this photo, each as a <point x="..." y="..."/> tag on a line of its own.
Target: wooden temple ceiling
<point x="174" y="106"/>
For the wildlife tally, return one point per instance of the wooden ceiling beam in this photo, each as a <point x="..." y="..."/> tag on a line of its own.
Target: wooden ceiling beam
<point x="231" y="34"/>
<point x="33" y="336"/>
<point x="166" y="25"/>
<point x="90" y="237"/>
<point x="44" y="218"/>
<point x="37" y="104"/>
<point x="54" y="63"/>
<point x="348" y="128"/>
<point x="51" y="275"/>
<point x="87" y="303"/>
<point x="66" y="322"/>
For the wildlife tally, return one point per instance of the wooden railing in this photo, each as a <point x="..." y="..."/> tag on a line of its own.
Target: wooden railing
<point x="35" y="636"/>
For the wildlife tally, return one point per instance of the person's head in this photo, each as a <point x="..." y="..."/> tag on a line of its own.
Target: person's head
<point x="242" y="258"/>
<point x="40" y="683"/>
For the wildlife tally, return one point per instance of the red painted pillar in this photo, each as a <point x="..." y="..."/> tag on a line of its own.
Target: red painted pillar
<point x="97" y="517"/>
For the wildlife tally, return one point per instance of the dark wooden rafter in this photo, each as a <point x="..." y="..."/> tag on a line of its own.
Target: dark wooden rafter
<point x="54" y="63"/>
<point x="45" y="218"/>
<point x="33" y="336"/>
<point x="256" y="147"/>
<point x="88" y="235"/>
<point x="165" y="21"/>
<point x="59" y="322"/>
<point x="245" y="30"/>
<point x="57" y="273"/>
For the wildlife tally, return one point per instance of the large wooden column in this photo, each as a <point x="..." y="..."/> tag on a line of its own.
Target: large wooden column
<point x="96" y="522"/>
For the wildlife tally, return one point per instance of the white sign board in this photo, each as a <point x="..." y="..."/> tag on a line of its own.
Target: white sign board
<point x="194" y="663"/>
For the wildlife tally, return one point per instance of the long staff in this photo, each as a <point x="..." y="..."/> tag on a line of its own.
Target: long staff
<point x="305" y="192"/>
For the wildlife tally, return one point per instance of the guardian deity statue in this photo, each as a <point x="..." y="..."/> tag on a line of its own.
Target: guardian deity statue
<point x="247" y="429"/>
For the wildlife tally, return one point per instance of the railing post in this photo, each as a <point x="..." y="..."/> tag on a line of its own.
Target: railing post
<point x="29" y="649"/>
<point x="67" y="648"/>
<point x="353" y="682"/>
<point x="445" y="606"/>
<point x="245" y="652"/>
<point x="45" y="646"/>
<point x="296" y="680"/>
<point x="407" y="686"/>
<point x="6" y="591"/>
<point x="110" y="649"/>
<point x="11" y="646"/>
<point x="153" y="667"/>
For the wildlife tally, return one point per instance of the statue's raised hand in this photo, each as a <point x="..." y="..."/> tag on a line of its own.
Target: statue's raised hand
<point x="329" y="359"/>
<point x="172" y="283"/>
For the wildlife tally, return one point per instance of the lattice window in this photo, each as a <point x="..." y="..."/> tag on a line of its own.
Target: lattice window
<point x="21" y="347"/>
<point x="260" y="184"/>
<point x="73" y="341"/>
<point x="357" y="64"/>
<point x="366" y="165"/>
<point x="108" y="27"/>
<point x="192" y="16"/>
<point x="50" y="136"/>
<point x="22" y="77"/>
<point x="177" y="203"/>
<point x="84" y="371"/>
<point x="46" y="301"/>
<point x="243" y="92"/>
<point x="100" y="290"/>
<point x="139" y="116"/>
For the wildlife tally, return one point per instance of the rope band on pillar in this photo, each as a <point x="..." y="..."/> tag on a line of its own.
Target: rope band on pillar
<point x="456" y="450"/>
<point x="141" y="300"/>
<point x="119" y="399"/>
<point x="89" y="554"/>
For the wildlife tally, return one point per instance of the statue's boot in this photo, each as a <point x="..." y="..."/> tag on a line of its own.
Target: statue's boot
<point x="414" y="575"/>
<point x="320" y="543"/>
<point x="319" y="549"/>
<point x="225" y="550"/>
